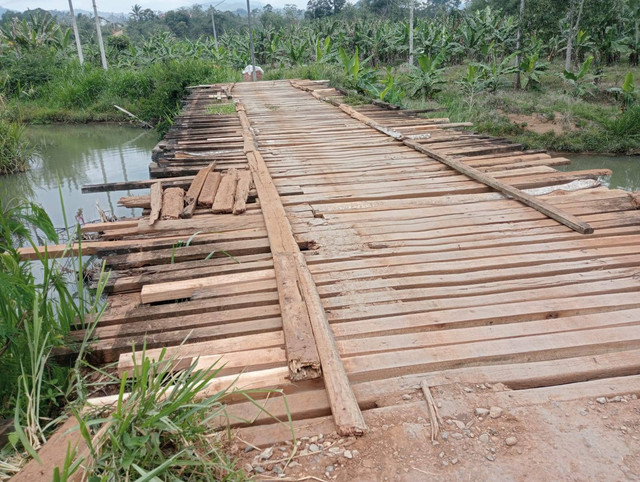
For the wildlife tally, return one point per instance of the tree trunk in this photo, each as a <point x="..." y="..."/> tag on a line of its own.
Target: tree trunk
<point x="103" y="57"/>
<point x="573" y="30"/>
<point x="74" y="23"/>
<point x="519" y="44"/>
<point x="411" y="33"/>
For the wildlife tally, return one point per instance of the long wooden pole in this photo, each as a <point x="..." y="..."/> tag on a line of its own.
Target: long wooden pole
<point x="519" y="44"/>
<point x="74" y="23"/>
<point x="253" y="57"/>
<point x="553" y="212"/>
<point x="103" y="57"/>
<point x="411" y="33"/>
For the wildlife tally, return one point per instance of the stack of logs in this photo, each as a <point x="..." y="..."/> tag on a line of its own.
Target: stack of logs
<point x="223" y="193"/>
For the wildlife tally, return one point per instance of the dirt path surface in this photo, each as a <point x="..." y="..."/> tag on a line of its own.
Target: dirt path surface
<point x="585" y="439"/>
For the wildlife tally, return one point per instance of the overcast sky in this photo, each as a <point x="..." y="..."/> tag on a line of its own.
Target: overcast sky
<point x="121" y="5"/>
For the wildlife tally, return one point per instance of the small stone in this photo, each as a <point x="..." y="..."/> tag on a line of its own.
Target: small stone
<point x="304" y="452"/>
<point x="406" y="396"/>
<point x="490" y="458"/>
<point x="278" y="470"/>
<point x="454" y="461"/>
<point x="601" y="400"/>
<point x="441" y="454"/>
<point x="445" y="463"/>
<point x="347" y="454"/>
<point x="482" y="412"/>
<point x="495" y="412"/>
<point x="258" y="470"/>
<point x="248" y="449"/>
<point x="458" y="424"/>
<point x="457" y="436"/>
<point x="511" y="441"/>
<point x="484" y="438"/>
<point x="615" y="399"/>
<point x="248" y="468"/>
<point x="329" y="468"/>
<point x="266" y="453"/>
<point x="583" y="413"/>
<point x="623" y="428"/>
<point x="385" y="427"/>
<point x="314" y="448"/>
<point x="335" y="450"/>
<point x="468" y="390"/>
<point x="320" y="436"/>
<point x="444" y="435"/>
<point x="294" y="464"/>
<point x="283" y="449"/>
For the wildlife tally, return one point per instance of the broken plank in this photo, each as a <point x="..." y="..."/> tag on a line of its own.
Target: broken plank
<point x="242" y="191"/>
<point x="191" y="197"/>
<point x="225" y="196"/>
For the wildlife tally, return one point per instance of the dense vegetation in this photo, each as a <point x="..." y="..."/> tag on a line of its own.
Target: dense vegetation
<point x="569" y="66"/>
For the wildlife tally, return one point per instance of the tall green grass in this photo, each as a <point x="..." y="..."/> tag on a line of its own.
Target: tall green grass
<point x="15" y="149"/>
<point x="87" y="93"/>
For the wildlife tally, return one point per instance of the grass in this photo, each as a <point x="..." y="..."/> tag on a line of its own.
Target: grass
<point x="227" y="108"/>
<point x="76" y="94"/>
<point x="15" y="150"/>
<point x="590" y="124"/>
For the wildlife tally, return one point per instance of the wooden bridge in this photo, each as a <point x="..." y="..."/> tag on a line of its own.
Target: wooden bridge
<point x="371" y="251"/>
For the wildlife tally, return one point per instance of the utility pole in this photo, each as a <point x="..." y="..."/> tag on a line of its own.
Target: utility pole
<point x="519" y="44"/>
<point x="411" y="33"/>
<point x="103" y="57"/>
<point x="75" y="33"/>
<point x="213" y="22"/>
<point x="253" y="57"/>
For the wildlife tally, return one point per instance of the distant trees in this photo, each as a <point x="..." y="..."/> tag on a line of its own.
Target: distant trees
<point x="324" y="8"/>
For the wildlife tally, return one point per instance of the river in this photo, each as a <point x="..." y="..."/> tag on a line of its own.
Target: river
<point x="70" y="156"/>
<point x="626" y="169"/>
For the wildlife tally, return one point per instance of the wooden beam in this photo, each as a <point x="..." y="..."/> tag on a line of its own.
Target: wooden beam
<point x="191" y="198"/>
<point x="541" y="206"/>
<point x="298" y="285"/>
<point x="155" y="202"/>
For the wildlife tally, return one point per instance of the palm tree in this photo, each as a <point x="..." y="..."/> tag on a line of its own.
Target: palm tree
<point x="136" y="13"/>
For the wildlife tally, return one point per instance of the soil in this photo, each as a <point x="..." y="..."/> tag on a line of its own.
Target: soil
<point x="584" y="439"/>
<point x="540" y="124"/>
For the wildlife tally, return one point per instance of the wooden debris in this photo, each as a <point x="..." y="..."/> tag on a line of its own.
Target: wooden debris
<point x="155" y="202"/>
<point x="434" y="417"/>
<point x="242" y="191"/>
<point x="225" y="196"/>
<point x="143" y="202"/>
<point x="635" y="199"/>
<point x="209" y="190"/>
<point x="191" y="197"/>
<point x="172" y="203"/>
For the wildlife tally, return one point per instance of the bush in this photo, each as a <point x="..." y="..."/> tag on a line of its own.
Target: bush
<point x="15" y="150"/>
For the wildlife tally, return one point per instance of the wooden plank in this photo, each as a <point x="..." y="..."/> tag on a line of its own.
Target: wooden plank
<point x="346" y="412"/>
<point x="175" y="290"/>
<point x="242" y="192"/>
<point x="191" y="197"/>
<point x="135" y="202"/>
<point x="155" y="202"/>
<point x="172" y="203"/>
<point x="182" y="181"/>
<point x="209" y="189"/>
<point x="225" y="196"/>
<point x="539" y="205"/>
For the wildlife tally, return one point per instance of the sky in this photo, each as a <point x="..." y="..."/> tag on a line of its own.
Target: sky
<point x="124" y="6"/>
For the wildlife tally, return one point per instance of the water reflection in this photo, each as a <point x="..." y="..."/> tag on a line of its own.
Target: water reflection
<point x="77" y="155"/>
<point x="626" y="170"/>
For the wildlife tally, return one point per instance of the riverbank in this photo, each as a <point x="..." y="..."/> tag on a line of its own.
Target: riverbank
<point x="71" y="93"/>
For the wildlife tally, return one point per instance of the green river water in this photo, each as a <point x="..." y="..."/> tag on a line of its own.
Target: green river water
<point x="71" y="156"/>
<point x="91" y="154"/>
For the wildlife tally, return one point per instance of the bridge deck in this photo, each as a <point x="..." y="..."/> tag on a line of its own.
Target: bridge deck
<point x="425" y="275"/>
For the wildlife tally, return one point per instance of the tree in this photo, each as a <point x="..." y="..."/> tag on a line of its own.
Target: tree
<point x="574" y="23"/>
<point x="324" y="8"/>
<point x="136" y="13"/>
<point x="519" y="43"/>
